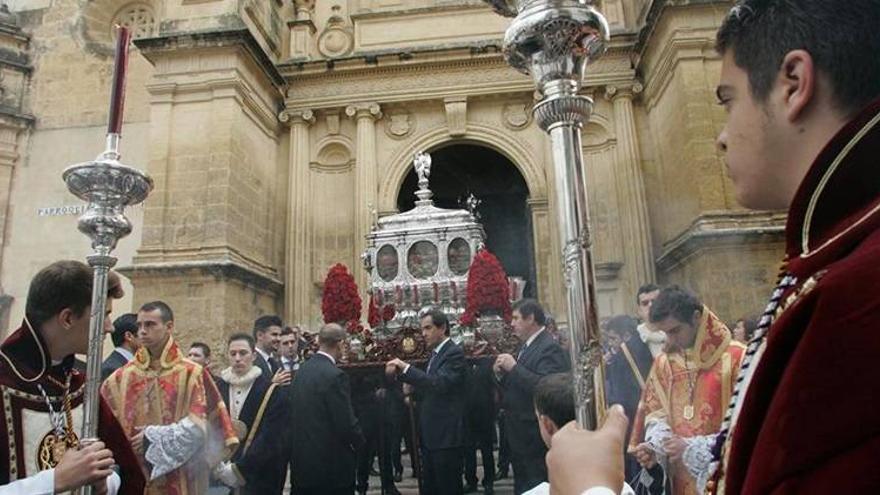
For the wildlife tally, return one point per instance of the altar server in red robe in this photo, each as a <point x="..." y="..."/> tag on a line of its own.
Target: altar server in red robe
<point x="41" y="395"/>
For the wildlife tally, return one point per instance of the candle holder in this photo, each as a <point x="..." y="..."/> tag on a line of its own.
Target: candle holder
<point x="554" y="41"/>
<point x="108" y="187"/>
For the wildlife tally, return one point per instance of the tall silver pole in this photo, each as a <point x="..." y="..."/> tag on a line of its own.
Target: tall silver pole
<point x="554" y="41"/>
<point x="108" y="187"/>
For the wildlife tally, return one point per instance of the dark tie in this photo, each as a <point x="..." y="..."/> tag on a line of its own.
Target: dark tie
<point x="522" y="351"/>
<point x="431" y="362"/>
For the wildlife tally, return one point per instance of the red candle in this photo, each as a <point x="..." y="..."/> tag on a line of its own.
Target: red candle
<point x="454" y="291"/>
<point x="399" y="292"/>
<point x="415" y="292"/>
<point x="120" y="66"/>
<point x="436" y="293"/>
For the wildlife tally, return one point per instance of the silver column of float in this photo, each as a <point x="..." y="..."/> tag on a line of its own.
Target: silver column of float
<point x="108" y="187"/>
<point x="554" y="41"/>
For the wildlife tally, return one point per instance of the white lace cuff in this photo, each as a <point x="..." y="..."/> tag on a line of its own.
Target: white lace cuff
<point x="170" y="446"/>
<point x="697" y="458"/>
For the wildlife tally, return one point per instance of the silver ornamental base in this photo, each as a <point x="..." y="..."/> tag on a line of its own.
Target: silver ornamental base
<point x="108" y="187"/>
<point x="554" y="41"/>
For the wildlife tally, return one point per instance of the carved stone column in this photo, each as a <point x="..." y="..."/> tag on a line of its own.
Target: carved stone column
<point x="297" y="283"/>
<point x="638" y="258"/>
<point x="366" y="184"/>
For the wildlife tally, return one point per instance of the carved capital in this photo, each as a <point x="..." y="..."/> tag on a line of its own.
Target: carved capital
<point x="364" y="111"/>
<point x="628" y="90"/>
<point x="301" y="116"/>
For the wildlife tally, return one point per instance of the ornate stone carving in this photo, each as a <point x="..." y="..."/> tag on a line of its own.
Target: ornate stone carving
<point x="337" y="39"/>
<point x="364" y="110"/>
<point x="456" y="115"/>
<point x="517" y="115"/>
<point x="399" y="124"/>
<point x="306" y="116"/>
<point x="139" y="17"/>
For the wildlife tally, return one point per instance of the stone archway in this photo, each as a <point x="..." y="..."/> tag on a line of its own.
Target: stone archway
<point x="463" y="168"/>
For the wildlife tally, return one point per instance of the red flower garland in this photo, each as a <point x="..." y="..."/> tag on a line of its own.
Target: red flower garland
<point x="487" y="289"/>
<point x="379" y="314"/>
<point x="340" y="301"/>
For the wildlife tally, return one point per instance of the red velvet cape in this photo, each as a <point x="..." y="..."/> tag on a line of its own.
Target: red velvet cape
<point x="24" y="353"/>
<point x="810" y="421"/>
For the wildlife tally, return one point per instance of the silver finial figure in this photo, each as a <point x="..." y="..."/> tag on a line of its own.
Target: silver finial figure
<point x="422" y="164"/>
<point x="554" y="41"/>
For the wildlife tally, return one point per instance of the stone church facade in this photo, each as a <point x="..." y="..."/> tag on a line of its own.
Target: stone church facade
<point x="278" y="131"/>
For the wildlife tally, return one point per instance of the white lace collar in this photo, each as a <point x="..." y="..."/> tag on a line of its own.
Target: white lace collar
<point x="244" y="380"/>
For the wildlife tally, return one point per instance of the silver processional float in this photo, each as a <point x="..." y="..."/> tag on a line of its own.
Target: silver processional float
<point x="108" y="187"/>
<point x="554" y="41"/>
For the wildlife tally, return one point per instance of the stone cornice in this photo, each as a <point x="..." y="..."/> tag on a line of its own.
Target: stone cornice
<point x="435" y="79"/>
<point x="655" y="12"/>
<point x="231" y="85"/>
<point x="465" y="5"/>
<point x="212" y="38"/>
<point x="223" y="269"/>
<point x="722" y="229"/>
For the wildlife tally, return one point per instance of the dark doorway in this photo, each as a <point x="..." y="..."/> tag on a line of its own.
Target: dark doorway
<point x="459" y="170"/>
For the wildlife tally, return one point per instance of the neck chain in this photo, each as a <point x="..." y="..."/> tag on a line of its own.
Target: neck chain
<point x="688" y="411"/>
<point x="62" y="422"/>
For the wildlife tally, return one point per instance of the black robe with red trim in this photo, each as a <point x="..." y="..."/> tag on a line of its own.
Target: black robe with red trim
<point x="24" y="416"/>
<point x="810" y="419"/>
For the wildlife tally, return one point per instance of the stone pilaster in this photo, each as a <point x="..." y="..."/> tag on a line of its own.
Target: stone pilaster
<point x="636" y="233"/>
<point x="366" y="183"/>
<point x="296" y="281"/>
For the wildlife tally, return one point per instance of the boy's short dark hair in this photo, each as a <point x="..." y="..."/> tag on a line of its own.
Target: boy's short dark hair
<point x="840" y="35"/>
<point x="646" y="289"/>
<point x="206" y="350"/>
<point x="554" y="398"/>
<point x="676" y="302"/>
<point x="164" y="310"/>
<point x="64" y="284"/>
<point x="263" y="323"/>
<point x="242" y="336"/>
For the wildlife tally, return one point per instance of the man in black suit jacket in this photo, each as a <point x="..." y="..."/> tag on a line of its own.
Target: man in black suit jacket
<point x="538" y="356"/>
<point x="267" y="336"/>
<point x="125" y="341"/>
<point x="325" y="432"/>
<point x="440" y="394"/>
<point x="259" y="411"/>
<point x="626" y="369"/>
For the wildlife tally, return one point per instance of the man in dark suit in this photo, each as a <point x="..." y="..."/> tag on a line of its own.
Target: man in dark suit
<point x="125" y="341"/>
<point x="628" y="362"/>
<point x="440" y="394"/>
<point x="480" y="425"/>
<point x="267" y="336"/>
<point x="259" y="412"/>
<point x="325" y="432"/>
<point x="538" y="356"/>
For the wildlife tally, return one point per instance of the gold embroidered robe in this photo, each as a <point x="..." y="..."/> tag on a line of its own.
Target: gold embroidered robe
<point x="174" y="390"/>
<point x="708" y="373"/>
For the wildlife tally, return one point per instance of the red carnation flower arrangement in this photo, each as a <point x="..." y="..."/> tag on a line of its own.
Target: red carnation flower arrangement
<point x="379" y="314"/>
<point x="487" y="289"/>
<point x="340" y="301"/>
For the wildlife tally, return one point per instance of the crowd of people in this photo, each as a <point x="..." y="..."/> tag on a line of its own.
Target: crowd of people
<point x="284" y="411"/>
<point x="792" y="411"/>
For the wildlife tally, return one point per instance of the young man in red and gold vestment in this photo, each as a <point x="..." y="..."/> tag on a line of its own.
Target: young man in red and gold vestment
<point x="688" y="388"/>
<point x="800" y="82"/>
<point x="170" y="408"/>
<point x="41" y="395"/>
